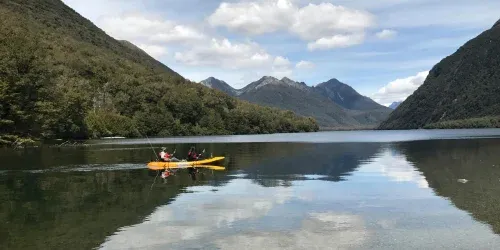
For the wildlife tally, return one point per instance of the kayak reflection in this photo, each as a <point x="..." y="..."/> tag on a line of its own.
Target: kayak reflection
<point x="192" y="170"/>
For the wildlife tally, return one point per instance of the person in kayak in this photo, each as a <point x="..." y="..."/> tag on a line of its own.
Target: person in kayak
<point x="166" y="157"/>
<point x="192" y="155"/>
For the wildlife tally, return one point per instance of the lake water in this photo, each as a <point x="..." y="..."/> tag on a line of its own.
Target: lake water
<point x="329" y="190"/>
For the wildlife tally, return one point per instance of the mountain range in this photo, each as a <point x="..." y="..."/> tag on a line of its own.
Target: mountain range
<point x="394" y="105"/>
<point x="333" y="104"/>
<point x="461" y="91"/>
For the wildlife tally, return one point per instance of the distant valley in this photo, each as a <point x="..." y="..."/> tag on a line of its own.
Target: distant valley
<point x="333" y="104"/>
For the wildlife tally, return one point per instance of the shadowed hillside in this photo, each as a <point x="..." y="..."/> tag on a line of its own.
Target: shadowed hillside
<point x="463" y="86"/>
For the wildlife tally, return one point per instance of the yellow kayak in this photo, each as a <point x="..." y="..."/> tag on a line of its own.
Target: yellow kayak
<point x="159" y="165"/>
<point x="211" y="167"/>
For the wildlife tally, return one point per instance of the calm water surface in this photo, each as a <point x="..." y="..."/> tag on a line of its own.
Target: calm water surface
<point x="425" y="190"/>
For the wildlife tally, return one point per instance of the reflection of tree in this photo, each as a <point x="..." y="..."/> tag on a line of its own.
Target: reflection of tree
<point x="444" y="162"/>
<point x="269" y="164"/>
<point x="78" y="210"/>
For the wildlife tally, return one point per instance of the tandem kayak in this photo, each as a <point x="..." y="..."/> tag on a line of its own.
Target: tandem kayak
<point x="159" y="165"/>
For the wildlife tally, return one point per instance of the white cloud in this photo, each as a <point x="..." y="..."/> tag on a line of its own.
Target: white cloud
<point x="325" y="25"/>
<point x="145" y="28"/>
<point x="280" y="61"/>
<point x="399" y="89"/>
<point x="386" y="34"/>
<point x="253" y="17"/>
<point x="225" y="54"/>
<point x="87" y="8"/>
<point x="153" y="50"/>
<point x="305" y="65"/>
<point x="314" y="22"/>
<point x="281" y="67"/>
<point x="337" y="41"/>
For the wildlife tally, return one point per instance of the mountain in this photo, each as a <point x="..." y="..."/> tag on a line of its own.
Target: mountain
<point x="297" y="97"/>
<point x="361" y="108"/>
<point x="333" y="104"/>
<point x="63" y="77"/>
<point x="394" y="105"/>
<point x="462" y="90"/>
<point x="214" y="83"/>
<point x="345" y="96"/>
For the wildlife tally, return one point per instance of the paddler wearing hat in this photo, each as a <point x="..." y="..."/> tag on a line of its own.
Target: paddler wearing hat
<point x="165" y="156"/>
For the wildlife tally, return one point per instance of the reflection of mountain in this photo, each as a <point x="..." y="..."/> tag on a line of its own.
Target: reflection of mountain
<point x="78" y="210"/>
<point x="292" y="161"/>
<point x="444" y="162"/>
<point x="281" y="162"/>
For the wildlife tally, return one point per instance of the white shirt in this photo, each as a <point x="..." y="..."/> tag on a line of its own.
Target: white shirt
<point x="162" y="154"/>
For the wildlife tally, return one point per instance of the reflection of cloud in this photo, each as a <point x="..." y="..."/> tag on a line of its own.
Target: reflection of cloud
<point x="318" y="231"/>
<point x="199" y="214"/>
<point x="235" y="206"/>
<point x="397" y="168"/>
<point x="387" y="223"/>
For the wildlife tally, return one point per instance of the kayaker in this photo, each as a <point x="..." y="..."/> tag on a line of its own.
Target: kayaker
<point x="192" y="155"/>
<point x="162" y="154"/>
<point x="165" y="156"/>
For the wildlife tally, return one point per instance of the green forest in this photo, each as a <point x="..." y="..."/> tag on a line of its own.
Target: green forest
<point x="482" y="122"/>
<point x="461" y="91"/>
<point x="62" y="77"/>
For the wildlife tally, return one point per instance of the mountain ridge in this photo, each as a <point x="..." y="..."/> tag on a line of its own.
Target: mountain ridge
<point x="214" y="83"/>
<point x="461" y="89"/>
<point x="349" y="99"/>
<point x="270" y="91"/>
<point x="313" y="101"/>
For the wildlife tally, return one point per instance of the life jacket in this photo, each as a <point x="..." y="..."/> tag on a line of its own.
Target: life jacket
<point x="192" y="155"/>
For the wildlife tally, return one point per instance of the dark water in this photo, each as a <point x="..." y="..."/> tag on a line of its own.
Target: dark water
<point x="377" y="194"/>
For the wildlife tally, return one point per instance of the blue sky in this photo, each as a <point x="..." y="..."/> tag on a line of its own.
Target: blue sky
<point x="382" y="48"/>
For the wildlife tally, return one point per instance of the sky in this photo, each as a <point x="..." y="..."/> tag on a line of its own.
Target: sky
<point x="383" y="49"/>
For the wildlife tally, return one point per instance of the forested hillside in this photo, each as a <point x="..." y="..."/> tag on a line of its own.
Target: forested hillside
<point x="62" y="77"/>
<point x="461" y="91"/>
